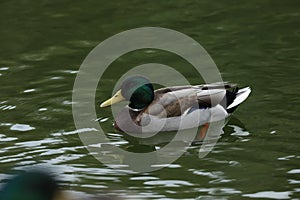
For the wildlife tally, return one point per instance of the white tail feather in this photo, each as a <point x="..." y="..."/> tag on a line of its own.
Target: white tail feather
<point x="241" y="96"/>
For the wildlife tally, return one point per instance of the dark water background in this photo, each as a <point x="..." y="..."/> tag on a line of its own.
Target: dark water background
<point x="254" y="43"/>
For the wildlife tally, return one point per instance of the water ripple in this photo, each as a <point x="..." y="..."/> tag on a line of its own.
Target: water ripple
<point x="168" y="183"/>
<point x="21" y="127"/>
<point x="270" y="195"/>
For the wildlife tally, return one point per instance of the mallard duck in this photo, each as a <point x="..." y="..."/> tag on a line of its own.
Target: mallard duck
<point x="32" y="185"/>
<point x="173" y="108"/>
<point x="40" y="185"/>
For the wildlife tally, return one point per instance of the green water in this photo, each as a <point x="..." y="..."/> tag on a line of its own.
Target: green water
<point x="254" y="43"/>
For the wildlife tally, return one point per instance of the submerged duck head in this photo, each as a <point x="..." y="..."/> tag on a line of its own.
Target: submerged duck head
<point x="136" y="89"/>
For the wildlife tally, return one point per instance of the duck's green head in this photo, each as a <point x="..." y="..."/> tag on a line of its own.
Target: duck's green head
<point x="137" y="90"/>
<point x="35" y="185"/>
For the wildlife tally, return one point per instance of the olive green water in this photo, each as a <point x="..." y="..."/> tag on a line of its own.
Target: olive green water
<point x="254" y="43"/>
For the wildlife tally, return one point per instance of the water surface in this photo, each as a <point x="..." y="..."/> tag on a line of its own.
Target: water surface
<point x="254" y="43"/>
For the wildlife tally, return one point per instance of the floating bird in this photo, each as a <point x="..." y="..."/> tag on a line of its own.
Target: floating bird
<point x="173" y="108"/>
<point x="40" y="185"/>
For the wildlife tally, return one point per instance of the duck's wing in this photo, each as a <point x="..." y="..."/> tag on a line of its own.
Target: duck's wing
<point x="175" y="101"/>
<point x="207" y="95"/>
<point x="172" y="103"/>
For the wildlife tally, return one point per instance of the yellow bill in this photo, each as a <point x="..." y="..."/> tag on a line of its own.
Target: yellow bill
<point x="115" y="99"/>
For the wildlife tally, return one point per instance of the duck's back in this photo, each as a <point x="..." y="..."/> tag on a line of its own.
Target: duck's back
<point x="175" y="101"/>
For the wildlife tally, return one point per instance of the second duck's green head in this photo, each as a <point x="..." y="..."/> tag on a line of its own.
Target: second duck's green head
<point x="31" y="185"/>
<point x="137" y="90"/>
